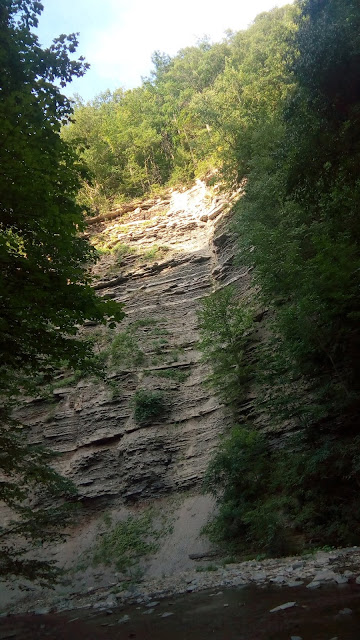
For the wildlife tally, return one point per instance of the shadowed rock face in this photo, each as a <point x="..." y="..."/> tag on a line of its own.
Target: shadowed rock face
<point x="105" y="451"/>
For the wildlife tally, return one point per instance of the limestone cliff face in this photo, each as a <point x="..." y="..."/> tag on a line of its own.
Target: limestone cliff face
<point x="105" y="451"/>
<point x="160" y="258"/>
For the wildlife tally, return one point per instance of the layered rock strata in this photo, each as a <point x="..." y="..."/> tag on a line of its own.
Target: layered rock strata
<point x="175" y="253"/>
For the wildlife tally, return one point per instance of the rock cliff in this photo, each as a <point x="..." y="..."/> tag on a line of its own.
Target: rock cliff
<point x="104" y="450"/>
<point x="160" y="260"/>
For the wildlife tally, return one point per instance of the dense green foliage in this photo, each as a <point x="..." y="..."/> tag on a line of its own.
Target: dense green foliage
<point x="45" y="292"/>
<point x="279" y="500"/>
<point x="198" y="110"/>
<point x="298" y="227"/>
<point x="126" y="542"/>
<point x="224" y="326"/>
<point x="299" y="218"/>
<point x="148" y="405"/>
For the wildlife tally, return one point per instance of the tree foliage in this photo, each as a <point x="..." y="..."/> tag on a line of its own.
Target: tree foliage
<point x="280" y="500"/>
<point x="196" y="111"/>
<point x="225" y="326"/>
<point x="45" y="292"/>
<point x="298" y="226"/>
<point x="299" y="217"/>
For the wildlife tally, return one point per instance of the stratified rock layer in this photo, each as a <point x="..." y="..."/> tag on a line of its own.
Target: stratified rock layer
<point x="105" y="451"/>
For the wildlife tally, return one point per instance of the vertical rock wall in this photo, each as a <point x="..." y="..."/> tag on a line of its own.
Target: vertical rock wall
<point x="176" y="252"/>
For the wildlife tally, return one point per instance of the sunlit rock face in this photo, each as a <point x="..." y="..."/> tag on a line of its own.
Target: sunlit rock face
<point x="160" y="261"/>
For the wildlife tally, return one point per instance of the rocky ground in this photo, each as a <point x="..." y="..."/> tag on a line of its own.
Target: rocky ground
<point x="323" y="569"/>
<point x="237" y="613"/>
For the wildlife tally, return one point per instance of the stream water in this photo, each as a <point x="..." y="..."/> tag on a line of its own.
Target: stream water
<point x="229" y="614"/>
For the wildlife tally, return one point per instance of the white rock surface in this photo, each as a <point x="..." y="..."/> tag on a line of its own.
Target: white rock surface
<point x="282" y="607"/>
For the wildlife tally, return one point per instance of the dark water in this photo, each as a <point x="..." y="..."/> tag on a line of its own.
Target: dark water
<point x="232" y="614"/>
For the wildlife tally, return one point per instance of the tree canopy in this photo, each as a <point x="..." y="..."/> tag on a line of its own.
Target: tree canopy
<point x="298" y="227"/>
<point x="197" y="111"/>
<point x="45" y="291"/>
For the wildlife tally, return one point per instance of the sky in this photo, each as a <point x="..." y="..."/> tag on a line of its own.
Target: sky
<point x="118" y="37"/>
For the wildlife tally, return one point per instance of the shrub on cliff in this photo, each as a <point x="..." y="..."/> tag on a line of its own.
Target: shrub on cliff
<point x="224" y="325"/>
<point x="281" y="500"/>
<point x="148" y="405"/>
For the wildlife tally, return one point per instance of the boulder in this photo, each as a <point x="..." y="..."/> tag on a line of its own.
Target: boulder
<point x="283" y="607"/>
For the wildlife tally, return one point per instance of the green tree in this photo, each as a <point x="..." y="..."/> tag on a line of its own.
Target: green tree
<point x="135" y="140"/>
<point x="225" y="326"/>
<point x="45" y="291"/>
<point x="251" y="87"/>
<point x="298" y="222"/>
<point x="298" y="226"/>
<point x="297" y="102"/>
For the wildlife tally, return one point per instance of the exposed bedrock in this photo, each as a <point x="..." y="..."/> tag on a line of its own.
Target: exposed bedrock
<point x="104" y="450"/>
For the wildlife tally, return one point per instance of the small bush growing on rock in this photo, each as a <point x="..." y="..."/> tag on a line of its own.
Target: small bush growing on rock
<point x="154" y="253"/>
<point x="148" y="405"/>
<point x="172" y="374"/>
<point x="145" y="322"/>
<point x="122" y="250"/>
<point x="225" y="325"/>
<point x="125" y="351"/>
<point x="126" y="542"/>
